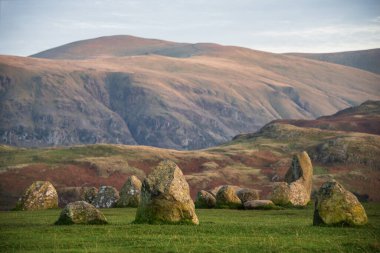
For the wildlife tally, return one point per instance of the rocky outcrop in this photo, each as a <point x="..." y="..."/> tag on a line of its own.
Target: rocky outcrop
<point x="130" y="193"/>
<point x="227" y="198"/>
<point x="335" y="205"/>
<point x="80" y="212"/>
<point x="205" y="200"/>
<point x="296" y="191"/>
<point x="247" y="194"/>
<point x="165" y="197"/>
<point x="259" y="204"/>
<point x="40" y="195"/>
<point x="107" y="197"/>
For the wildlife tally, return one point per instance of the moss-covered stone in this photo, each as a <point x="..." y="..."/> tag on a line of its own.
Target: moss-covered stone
<point x="107" y="197"/>
<point x="80" y="212"/>
<point x="39" y="196"/>
<point x="226" y="197"/>
<point x="89" y="194"/>
<point x="165" y="197"/>
<point x="245" y="194"/>
<point x="335" y="205"/>
<point x="205" y="200"/>
<point x="130" y="193"/>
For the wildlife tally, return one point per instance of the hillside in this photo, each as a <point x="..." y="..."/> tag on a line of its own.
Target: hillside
<point x="364" y="118"/>
<point x="128" y="90"/>
<point x="250" y="160"/>
<point x="368" y="60"/>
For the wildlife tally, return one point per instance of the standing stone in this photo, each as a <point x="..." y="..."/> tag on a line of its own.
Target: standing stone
<point x="89" y="194"/>
<point x="247" y="194"/>
<point x="335" y="205"/>
<point x="227" y="198"/>
<point x="130" y="193"/>
<point x="80" y="212"/>
<point x="296" y="191"/>
<point x="205" y="200"/>
<point x="107" y="197"/>
<point x="165" y="197"/>
<point x="301" y="170"/>
<point x="39" y="196"/>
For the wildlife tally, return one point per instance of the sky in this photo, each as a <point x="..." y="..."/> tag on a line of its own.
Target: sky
<point x="31" y="26"/>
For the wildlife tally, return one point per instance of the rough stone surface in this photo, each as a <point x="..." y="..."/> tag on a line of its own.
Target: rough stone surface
<point x="40" y="195"/>
<point x="130" y="193"/>
<point x="301" y="170"/>
<point x="107" y="197"/>
<point x="80" y="212"/>
<point x="227" y="198"/>
<point x="247" y="194"/>
<point x="205" y="200"/>
<point x="259" y="204"/>
<point x="67" y="195"/>
<point x="165" y="197"/>
<point x="89" y="194"/>
<point x="335" y="205"/>
<point x="296" y="191"/>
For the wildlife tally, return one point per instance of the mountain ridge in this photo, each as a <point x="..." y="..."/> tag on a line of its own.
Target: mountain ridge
<point x="368" y="60"/>
<point x="191" y="102"/>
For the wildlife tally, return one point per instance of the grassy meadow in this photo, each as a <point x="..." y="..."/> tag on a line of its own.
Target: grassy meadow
<point x="288" y="230"/>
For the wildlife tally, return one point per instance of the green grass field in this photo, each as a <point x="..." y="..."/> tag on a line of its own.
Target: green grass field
<point x="288" y="230"/>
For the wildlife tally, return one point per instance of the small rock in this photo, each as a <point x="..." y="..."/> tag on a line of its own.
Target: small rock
<point x="40" y="195"/>
<point x="80" y="212"/>
<point x="205" y="200"/>
<point x="227" y="198"/>
<point x="165" y="197"/>
<point x="259" y="204"/>
<point x="130" y="193"/>
<point x="335" y="205"/>
<point x="67" y="195"/>
<point x="89" y="194"/>
<point x="107" y="197"/>
<point x="247" y="194"/>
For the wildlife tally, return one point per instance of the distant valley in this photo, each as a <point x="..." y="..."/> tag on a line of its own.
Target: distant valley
<point x="129" y="90"/>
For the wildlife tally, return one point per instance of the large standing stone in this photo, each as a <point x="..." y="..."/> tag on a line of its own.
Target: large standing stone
<point x="130" y="193"/>
<point x="80" y="212"/>
<point x="296" y="190"/>
<point x="107" y="197"/>
<point x="40" y="195"/>
<point x="335" y="205"/>
<point x="226" y="197"/>
<point x="205" y="200"/>
<point x="165" y="197"/>
<point x="301" y="170"/>
<point x="245" y="194"/>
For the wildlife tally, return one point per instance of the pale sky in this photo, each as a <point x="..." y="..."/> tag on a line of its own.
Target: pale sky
<point x="30" y="26"/>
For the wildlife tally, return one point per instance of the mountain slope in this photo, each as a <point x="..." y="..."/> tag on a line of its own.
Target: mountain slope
<point x="251" y="160"/>
<point x="194" y="101"/>
<point x="364" y="118"/>
<point x="368" y="60"/>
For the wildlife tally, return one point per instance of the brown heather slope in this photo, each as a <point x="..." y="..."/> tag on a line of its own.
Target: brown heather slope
<point x="368" y="60"/>
<point x="203" y="96"/>
<point x="251" y="160"/>
<point x="364" y="118"/>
